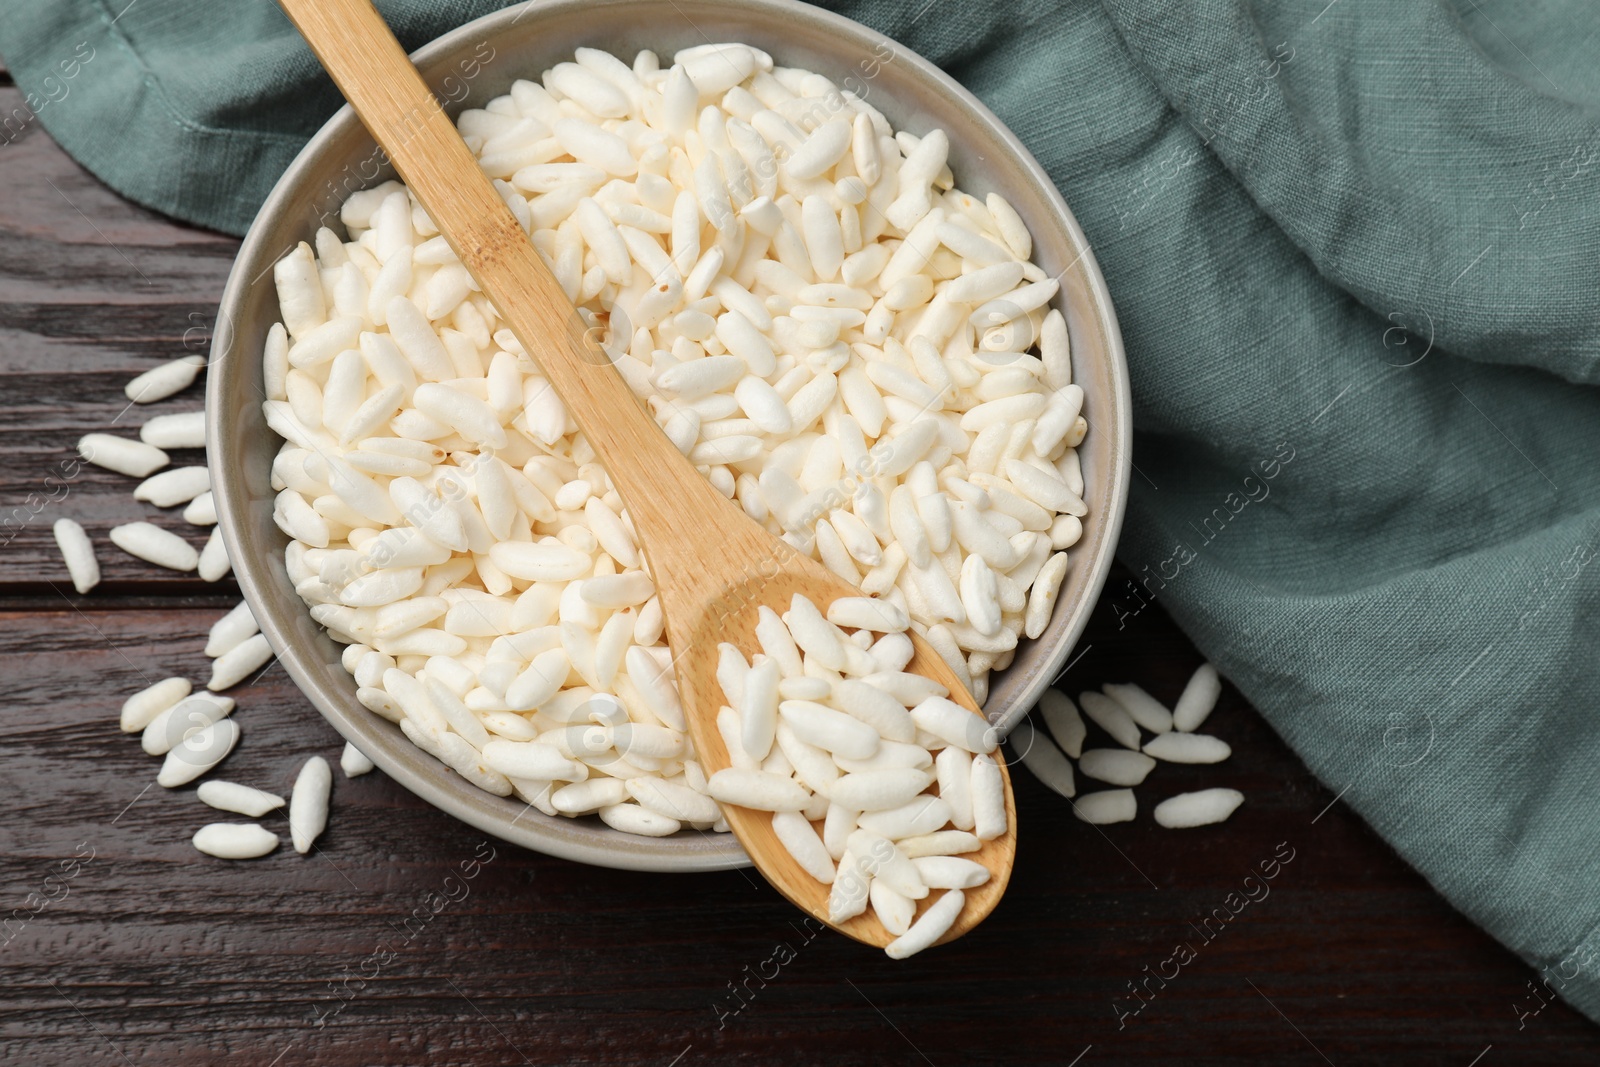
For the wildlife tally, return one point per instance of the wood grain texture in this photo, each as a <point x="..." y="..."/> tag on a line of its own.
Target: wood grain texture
<point x="176" y="957"/>
<point x="712" y="564"/>
<point x="93" y="290"/>
<point x="377" y="949"/>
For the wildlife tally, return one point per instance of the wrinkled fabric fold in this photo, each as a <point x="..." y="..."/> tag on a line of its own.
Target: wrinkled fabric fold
<point x="1355" y="252"/>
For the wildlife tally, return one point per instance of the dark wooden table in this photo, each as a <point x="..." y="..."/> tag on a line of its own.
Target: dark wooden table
<point x="381" y="949"/>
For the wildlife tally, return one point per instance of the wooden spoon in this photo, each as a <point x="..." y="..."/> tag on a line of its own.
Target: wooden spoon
<point x="712" y="565"/>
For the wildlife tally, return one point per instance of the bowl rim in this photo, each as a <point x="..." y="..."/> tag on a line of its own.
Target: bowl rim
<point x="253" y="578"/>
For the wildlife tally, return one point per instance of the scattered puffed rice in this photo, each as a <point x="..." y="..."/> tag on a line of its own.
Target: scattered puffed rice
<point x="1106" y="807"/>
<point x="1198" y="698"/>
<point x="233" y="628"/>
<point x="142" y="707"/>
<point x="1198" y="809"/>
<point x="235" y="840"/>
<point x="213" y="563"/>
<point x="77" y="551"/>
<point x="1116" y="766"/>
<point x="185" y="718"/>
<point x="353" y="762"/>
<point x="1110" y="717"/>
<point x="1120" y="711"/>
<point x="133" y="458"/>
<point x="243" y="799"/>
<point x="1151" y="715"/>
<point x="308" y="803"/>
<point x="177" y="485"/>
<point x="198" y="753"/>
<point x="1188" y="748"/>
<point x="187" y="430"/>
<point x="155" y="545"/>
<point x="239" y="662"/>
<point x="163" y="381"/>
<point x="1061" y="719"/>
<point x="202" y="510"/>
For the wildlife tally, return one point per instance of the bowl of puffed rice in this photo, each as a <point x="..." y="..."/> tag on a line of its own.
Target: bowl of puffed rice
<point x="938" y="408"/>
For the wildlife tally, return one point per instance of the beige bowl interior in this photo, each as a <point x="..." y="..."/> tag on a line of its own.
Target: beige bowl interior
<point x="467" y="68"/>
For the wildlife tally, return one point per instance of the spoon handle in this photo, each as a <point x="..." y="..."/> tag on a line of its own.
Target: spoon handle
<point x="669" y="502"/>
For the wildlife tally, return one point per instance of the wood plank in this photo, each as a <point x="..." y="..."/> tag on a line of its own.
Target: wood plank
<point x="176" y="957"/>
<point x="93" y="291"/>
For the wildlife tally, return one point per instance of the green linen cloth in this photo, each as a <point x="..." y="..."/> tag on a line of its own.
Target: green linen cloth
<point x="1354" y="246"/>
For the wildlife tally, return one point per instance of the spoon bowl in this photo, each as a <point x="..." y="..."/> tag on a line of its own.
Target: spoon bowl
<point x="729" y="614"/>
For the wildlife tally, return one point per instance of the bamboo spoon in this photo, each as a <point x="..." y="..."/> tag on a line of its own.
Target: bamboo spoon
<point x="712" y="565"/>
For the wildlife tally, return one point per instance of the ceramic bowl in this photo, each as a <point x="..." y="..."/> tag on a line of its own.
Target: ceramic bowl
<point x="468" y="67"/>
